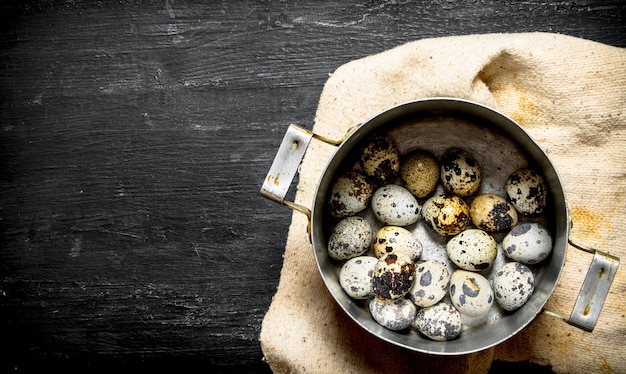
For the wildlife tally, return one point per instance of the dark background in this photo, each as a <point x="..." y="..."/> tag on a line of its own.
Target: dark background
<point x="134" y="137"/>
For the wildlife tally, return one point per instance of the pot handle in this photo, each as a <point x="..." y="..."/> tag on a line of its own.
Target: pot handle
<point x="287" y="163"/>
<point x="594" y="290"/>
<point x="285" y="166"/>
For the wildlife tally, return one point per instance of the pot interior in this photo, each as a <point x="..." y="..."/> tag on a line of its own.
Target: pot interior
<point x="501" y="147"/>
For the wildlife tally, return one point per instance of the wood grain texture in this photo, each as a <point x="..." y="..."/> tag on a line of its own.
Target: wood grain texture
<point x="134" y="139"/>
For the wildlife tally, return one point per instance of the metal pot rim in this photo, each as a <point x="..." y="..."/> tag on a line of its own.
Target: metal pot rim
<point x="510" y="323"/>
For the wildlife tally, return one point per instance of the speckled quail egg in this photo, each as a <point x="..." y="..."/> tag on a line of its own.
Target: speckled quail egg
<point x="470" y="293"/>
<point x="350" y="194"/>
<point x="420" y="172"/>
<point x="461" y="174"/>
<point x="393" y="314"/>
<point x="447" y="215"/>
<point x="431" y="283"/>
<point x="380" y="158"/>
<point x="472" y="249"/>
<point x="394" y="275"/>
<point x="356" y="277"/>
<point x="440" y="322"/>
<point x="493" y="213"/>
<point x="527" y="191"/>
<point x="395" y="205"/>
<point x="513" y="284"/>
<point x="351" y="237"/>
<point x="529" y="243"/>
<point x="396" y="239"/>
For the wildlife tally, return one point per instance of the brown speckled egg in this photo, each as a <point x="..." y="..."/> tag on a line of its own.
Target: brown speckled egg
<point x="396" y="239"/>
<point x="393" y="314"/>
<point x="461" y="174"/>
<point x="447" y="215"/>
<point x="395" y="205"/>
<point x="470" y="293"/>
<point x="356" y="277"/>
<point x="440" y="322"/>
<point x="431" y="283"/>
<point x="351" y="237"/>
<point x="529" y="243"/>
<point x="394" y="275"/>
<point x="513" y="284"/>
<point x="350" y="194"/>
<point x="380" y="158"/>
<point x="472" y="250"/>
<point x="420" y="172"/>
<point x="527" y="191"/>
<point x="493" y="213"/>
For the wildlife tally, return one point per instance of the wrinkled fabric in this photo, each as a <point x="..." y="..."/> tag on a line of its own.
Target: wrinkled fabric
<point x="570" y="95"/>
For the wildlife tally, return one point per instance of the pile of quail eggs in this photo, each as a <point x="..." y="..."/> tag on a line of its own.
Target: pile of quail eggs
<point x="382" y="264"/>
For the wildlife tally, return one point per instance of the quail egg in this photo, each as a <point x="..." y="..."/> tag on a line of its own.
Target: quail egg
<point x="513" y="284"/>
<point x="351" y="237"/>
<point x="394" y="275"/>
<point x="431" y="283"/>
<point x="396" y="239"/>
<point x="420" y="172"/>
<point x="529" y="243"/>
<point x="493" y="213"/>
<point x="470" y="293"/>
<point x="350" y="194"/>
<point x="472" y="249"/>
<point x="380" y="159"/>
<point x="527" y="191"/>
<point x="461" y="174"/>
<point x="447" y="215"/>
<point x="395" y="205"/>
<point x="356" y="277"/>
<point x="440" y="322"/>
<point x="393" y="314"/>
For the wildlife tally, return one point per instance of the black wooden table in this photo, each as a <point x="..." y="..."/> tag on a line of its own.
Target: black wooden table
<point x="134" y="137"/>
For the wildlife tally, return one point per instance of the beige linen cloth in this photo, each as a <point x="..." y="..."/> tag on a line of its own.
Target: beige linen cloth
<point x="570" y="95"/>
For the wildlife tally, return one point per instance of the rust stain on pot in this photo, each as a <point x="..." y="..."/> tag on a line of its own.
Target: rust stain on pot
<point x="273" y="179"/>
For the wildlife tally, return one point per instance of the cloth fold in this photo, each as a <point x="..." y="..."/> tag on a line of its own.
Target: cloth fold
<point x="570" y="95"/>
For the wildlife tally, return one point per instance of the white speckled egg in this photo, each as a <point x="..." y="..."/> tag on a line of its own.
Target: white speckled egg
<point x="356" y="277"/>
<point x="420" y="172"/>
<point x="513" y="284"/>
<point x="527" y="191"/>
<point x="472" y="249"/>
<point x="380" y="159"/>
<point x="396" y="239"/>
<point x="461" y="174"/>
<point x="350" y="194"/>
<point x="393" y="314"/>
<point x="440" y="322"/>
<point x="394" y="275"/>
<point x="470" y="293"/>
<point x="447" y="215"/>
<point x="395" y="205"/>
<point x="529" y="243"/>
<point x="493" y="213"/>
<point x="431" y="283"/>
<point x="351" y="237"/>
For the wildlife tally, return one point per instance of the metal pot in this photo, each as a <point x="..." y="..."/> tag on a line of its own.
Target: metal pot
<point x="435" y="124"/>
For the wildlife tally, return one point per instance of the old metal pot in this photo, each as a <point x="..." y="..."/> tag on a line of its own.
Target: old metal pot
<point x="434" y="124"/>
